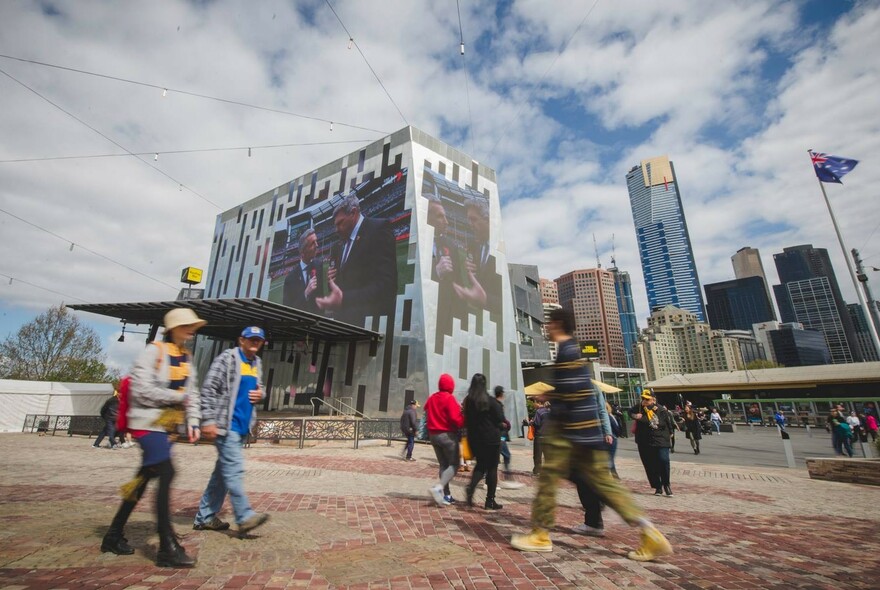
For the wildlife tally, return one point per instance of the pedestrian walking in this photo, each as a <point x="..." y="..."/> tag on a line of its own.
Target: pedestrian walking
<point x="841" y="432"/>
<point x="409" y="424"/>
<point x="484" y="420"/>
<point x="779" y="418"/>
<point x="538" y="422"/>
<point x="855" y="425"/>
<point x="658" y="426"/>
<point x="643" y="435"/>
<point x="109" y="413"/>
<point x="871" y="426"/>
<point x="614" y="432"/>
<point x="715" y="418"/>
<point x="233" y="385"/>
<point x="574" y="441"/>
<point x="505" y="431"/>
<point x="621" y="420"/>
<point x="444" y="420"/>
<point x="692" y="428"/>
<point x="163" y="395"/>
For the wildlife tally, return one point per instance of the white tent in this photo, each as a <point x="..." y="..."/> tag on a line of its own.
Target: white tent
<point x="19" y="398"/>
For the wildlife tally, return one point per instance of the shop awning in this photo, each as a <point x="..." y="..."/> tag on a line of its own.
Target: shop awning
<point x="540" y="388"/>
<point x="227" y="317"/>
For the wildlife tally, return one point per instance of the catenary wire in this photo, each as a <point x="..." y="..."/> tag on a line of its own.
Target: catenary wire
<point x="189" y="93"/>
<point x="559" y="53"/>
<point x="43" y="288"/>
<point x="117" y="144"/>
<point x="89" y="250"/>
<point x="466" y="83"/>
<point x="172" y="152"/>
<point x="366" y="61"/>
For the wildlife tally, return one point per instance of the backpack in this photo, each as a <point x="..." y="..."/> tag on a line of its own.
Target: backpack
<point x="122" y="415"/>
<point x="124" y="388"/>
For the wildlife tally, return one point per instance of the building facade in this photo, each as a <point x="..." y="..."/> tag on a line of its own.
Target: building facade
<point x="737" y="304"/>
<point x="802" y="299"/>
<point x="590" y="295"/>
<point x="747" y="263"/>
<point x="549" y="291"/>
<point x="675" y="341"/>
<point x="665" y="250"/>
<point x="863" y="334"/>
<point x="411" y="227"/>
<point x="529" y="312"/>
<point x="629" y="325"/>
<point x="796" y="347"/>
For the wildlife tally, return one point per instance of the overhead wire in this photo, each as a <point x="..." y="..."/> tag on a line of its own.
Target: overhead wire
<point x="351" y="41"/>
<point x="40" y="287"/>
<point x="466" y="84"/>
<point x="167" y="89"/>
<point x="89" y="250"/>
<point x="192" y="151"/>
<point x="110" y="139"/>
<point x="559" y="53"/>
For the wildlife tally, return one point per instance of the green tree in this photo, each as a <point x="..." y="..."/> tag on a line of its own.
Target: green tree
<point x="762" y="364"/>
<point x="55" y="346"/>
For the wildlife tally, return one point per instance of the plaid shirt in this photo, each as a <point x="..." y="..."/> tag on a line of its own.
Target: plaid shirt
<point x="573" y="403"/>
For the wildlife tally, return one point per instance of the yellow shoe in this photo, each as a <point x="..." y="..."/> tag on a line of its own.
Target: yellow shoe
<point x="537" y="540"/>
<point x="654" y="545"/>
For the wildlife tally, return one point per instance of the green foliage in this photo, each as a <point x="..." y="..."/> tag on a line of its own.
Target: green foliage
<point x="531" y="406"/>
<point x="55" y="346"/>
<point x="763" y="364"/>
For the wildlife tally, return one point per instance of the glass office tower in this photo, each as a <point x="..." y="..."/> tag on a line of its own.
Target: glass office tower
<point x="664" y="244"/>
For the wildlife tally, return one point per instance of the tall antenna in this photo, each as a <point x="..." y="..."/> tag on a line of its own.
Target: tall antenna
<point x="613" y="255"/>
<point x="596" y="248"/>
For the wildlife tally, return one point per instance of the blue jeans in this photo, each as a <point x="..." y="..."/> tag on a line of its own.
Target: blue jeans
<point x="109" y="431"/>
<point x="227" y="478"/>
<point x="717" y="425"/>
<point x="505" y="453"/>
<point x="410" y="444"/>
<point x="663" y="464"/>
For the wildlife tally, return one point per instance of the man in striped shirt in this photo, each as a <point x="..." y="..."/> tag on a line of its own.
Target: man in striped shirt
<point x="574" y="442"/>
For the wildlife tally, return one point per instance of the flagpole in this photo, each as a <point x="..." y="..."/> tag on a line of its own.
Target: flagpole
<point x="852" y="273"/>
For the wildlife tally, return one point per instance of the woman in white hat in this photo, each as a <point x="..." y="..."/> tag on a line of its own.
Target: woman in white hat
<point x="163" y="395"/>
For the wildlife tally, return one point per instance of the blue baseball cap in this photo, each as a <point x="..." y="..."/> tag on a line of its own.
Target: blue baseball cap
<point x="253" y="332"/>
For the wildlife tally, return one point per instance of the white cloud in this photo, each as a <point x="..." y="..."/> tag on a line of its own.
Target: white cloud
<point x="685" y="78"/>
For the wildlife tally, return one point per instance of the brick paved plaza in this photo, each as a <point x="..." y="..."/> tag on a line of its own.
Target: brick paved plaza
<point x="344" y="518"/>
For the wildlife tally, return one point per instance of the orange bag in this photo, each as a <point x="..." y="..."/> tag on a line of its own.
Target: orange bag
<point x="466" y="449"/>
<point x="531" y="433"/>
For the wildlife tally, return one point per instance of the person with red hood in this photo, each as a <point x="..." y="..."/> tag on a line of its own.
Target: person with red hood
<point x="443" y="419"/>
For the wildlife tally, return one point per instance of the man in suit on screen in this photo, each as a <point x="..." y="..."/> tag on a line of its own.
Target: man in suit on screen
<point x="364" y="280"/>
<point x="301" y="283"/>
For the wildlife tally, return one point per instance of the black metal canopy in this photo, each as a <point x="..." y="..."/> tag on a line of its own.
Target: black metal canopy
<point x="227" y="317"/>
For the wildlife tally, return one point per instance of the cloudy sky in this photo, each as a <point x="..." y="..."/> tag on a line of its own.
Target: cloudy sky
<point x="562" y="98"/>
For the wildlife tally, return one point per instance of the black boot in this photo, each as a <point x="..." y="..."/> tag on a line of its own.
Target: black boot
<point x="668" y="491"/>
<point x="491" y="504"/>
<point x="114" y="542"/>
<point x="469" y="496"/>
<point x="172" y="554"/>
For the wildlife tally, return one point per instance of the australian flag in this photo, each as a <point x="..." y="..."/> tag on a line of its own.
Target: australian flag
<point x="831" y="168"/>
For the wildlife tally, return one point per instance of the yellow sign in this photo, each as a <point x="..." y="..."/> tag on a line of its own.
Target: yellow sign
<point x="191" y="275"/>
<point x="589" y="349"/>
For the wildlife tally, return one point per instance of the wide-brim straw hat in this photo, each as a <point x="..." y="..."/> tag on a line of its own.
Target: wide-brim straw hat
<point x="183" y="316"/>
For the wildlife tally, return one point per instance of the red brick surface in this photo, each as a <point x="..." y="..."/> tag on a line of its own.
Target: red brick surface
<point x="726" y="533"/>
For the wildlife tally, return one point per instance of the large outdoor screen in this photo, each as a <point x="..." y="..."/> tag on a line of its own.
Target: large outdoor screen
<point x="463" y="258"/>
<point x="345" y="257"/>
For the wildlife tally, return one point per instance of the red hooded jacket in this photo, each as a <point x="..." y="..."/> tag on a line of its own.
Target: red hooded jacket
<point x="442" y="411"/>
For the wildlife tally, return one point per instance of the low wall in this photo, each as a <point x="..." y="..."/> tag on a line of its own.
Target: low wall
<point x="864" y="471"/>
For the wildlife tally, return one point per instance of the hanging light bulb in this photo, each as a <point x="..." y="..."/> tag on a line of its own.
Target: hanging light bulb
<point x="164" y="92"/>
<point x="10" y="280"/>
<point x="461" y="47"/>
<point x="331" y="125"/>
<point x="249" y="152"/>
<point x="156" y="157"/>
<point x="180" y="188"/>
<point x="71" y="247"/>
<point x="350" y="41"/>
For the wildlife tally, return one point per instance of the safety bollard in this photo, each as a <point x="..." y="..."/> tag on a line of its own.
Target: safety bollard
<point x="751" y="428"/>
<point x="809" y="432"/>
<point x="789" y="452"/>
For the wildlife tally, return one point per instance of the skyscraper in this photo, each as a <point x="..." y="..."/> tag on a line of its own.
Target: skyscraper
<point x="661" y="231"/>
<point x="863" y="334"/>
<point x="589" y="294"/>
<point x="737" y="304"/>
<point x="809" y="294"/>
<point x="628" y="323"/>
<point x="747" y="263"/>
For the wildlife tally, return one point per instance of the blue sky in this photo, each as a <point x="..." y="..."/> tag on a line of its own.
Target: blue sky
<point x="734" y="92"/>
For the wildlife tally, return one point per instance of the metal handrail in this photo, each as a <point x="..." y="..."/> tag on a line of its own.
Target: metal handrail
<point x="331" y="401"/>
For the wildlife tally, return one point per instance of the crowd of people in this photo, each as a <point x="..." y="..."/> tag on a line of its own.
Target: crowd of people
<point x="848" y="428"/>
